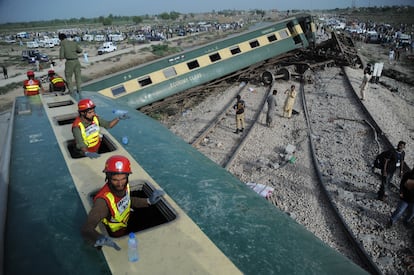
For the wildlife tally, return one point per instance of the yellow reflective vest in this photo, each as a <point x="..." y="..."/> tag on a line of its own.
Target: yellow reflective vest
<point x="91" y="134"/>
<point x="119" y="207"/>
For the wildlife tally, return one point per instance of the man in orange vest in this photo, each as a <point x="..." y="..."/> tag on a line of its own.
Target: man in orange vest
<point x="112" y="205"/>
<point x="56" y="82"/>
<point x="86" y="129"/>
<point x="31" y="85"/>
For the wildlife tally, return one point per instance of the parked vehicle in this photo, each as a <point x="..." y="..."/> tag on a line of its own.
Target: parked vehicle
<point x="99" y="37"/>
<point x="22" y="35"/>
<point x="405" y="40"/>
<point x="372" y="37"/>
<point x="32" y="44"/>
<point x="116" y="37"/>
<point x="107" y="47"/>
<point x="27" y="54"/>
<point x="38" y="56"/>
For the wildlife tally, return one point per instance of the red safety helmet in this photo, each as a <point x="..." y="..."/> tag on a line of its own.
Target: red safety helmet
<point x="85" y="104"/>
<point x="51" y="72"/>
<point x="117" y="164"/>
<point x="30" y="73"/>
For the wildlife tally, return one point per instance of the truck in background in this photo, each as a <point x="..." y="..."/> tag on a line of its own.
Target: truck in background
<point x="107" y="47"/>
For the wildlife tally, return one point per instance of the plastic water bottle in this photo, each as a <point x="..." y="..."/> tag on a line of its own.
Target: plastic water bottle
<point x="119" y="112"/>
<point x="125" y="140"/>
<point x="132" y="248"/>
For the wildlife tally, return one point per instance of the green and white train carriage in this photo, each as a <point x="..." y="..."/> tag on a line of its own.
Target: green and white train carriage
<point x="162" y="78"/>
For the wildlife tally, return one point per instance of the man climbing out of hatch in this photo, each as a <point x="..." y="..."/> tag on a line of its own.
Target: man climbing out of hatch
<point x="86" y="129"/>
<point x="113" y="204"/>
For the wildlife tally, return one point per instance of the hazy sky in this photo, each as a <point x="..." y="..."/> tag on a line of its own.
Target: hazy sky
<point x="37" y="10"/>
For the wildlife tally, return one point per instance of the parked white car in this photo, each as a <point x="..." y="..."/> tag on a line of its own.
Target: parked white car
<point x="107" y="47"/>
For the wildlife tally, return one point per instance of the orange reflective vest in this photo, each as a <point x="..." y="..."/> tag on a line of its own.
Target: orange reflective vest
<point x="119" y="207"/>
<point x="91" y="135"/>
<point x="31" y="87"/>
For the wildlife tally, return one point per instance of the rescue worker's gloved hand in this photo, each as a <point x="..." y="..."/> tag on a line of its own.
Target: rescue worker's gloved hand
<point x="106" y="241"/>
<point x="92" y="155"/>
<point x="123" y="116"/>
<point x="155" y="196"/>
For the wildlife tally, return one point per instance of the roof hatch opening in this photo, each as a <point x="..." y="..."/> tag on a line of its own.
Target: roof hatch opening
<point x="106" y="146"/>
<point x="144" y="218"/>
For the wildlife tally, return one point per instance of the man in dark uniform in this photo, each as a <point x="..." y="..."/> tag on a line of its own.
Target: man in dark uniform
<point x="239" y="107"/>
<point x="271" y="106"/>
<point x="5" y="74"/>
<point x="69" y="50"/>
<point x="394" y="160"/>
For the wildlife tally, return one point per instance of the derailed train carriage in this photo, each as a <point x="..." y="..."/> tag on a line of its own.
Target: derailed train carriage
<point x="167" y="76"/>
<point x="207" y="223"/>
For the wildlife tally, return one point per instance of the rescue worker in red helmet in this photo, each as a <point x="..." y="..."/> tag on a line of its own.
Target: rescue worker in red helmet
<point x="112" y="205"/>
<point x="31" y="85"/>
<point x="86" y="129"/>
<point x="56" y="82"/>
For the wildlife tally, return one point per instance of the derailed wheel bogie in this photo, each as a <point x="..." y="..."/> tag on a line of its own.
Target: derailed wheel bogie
<point x="267" y="78"/>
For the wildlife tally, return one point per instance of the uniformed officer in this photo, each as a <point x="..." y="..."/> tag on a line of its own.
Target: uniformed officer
<point x="69" y="50"/>
<point x="239" y="108"/>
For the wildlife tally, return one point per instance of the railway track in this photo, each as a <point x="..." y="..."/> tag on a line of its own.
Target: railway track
<point x="330" y="189"/>
<point x="346" y="171"/>
<point x="336" y="141"/>
<point x="210" y="138"/>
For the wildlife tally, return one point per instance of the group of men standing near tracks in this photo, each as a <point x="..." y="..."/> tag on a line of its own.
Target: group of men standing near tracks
<point x="271" y="100"/>
<point x="392" y="160"/>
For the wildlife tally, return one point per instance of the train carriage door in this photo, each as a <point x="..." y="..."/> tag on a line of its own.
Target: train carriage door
<point x="295" y="34"/>
<point x="308" y="27"/>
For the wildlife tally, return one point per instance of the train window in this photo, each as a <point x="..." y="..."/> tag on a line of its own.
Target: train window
<point x="272" y="38"/>
<point x="118" y="90"/>
<point x="144" y="81"/>
<point x="169" y="72"/>
<point x="254" y="44"/>
<point x="215" y="57"/>
<point x="193" y="64"/>
<point x="235" y="50"/>
<point x="284" y="34"/>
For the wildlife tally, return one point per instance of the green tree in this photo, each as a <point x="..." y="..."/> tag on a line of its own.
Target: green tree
<point x="174" y="15"/>
<point x="137" y="19"/>
<point x="164" y="16"/>
<point x="107" y="21"/>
